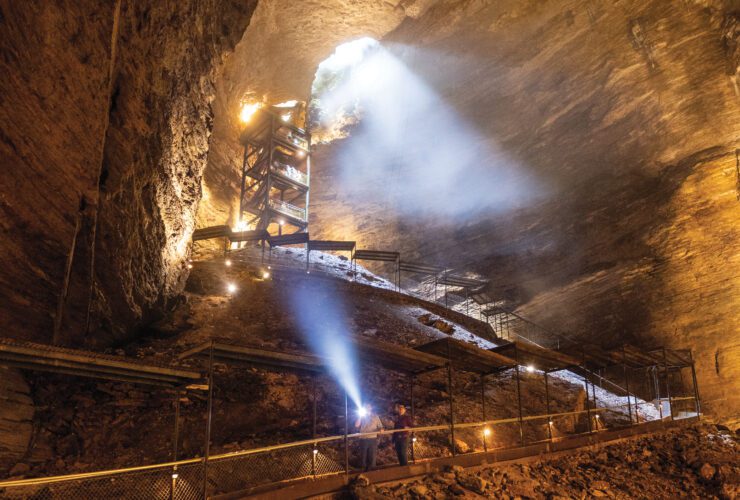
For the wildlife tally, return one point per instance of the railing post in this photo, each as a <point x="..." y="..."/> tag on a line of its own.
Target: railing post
<point x="313" y="424"/>
<point x="413" y="421"/>
<point x="483" y="409"/>
<point x="175" y="440"/>
<point x="208" y="422"/>
<point x="519" y="397"/>
<point x="547" y="406"/>
<point x="656" y="386"/>
<point x="626" y="382"/>
<point x="667" y="385"/>
<point x="452" y="407"/>
<point x="697" y="403"/>
<point x="346" y="433"/>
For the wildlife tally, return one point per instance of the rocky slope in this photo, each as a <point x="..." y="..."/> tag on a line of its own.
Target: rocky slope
<point x="701" y="462"/>
<point x="83" y="425"/>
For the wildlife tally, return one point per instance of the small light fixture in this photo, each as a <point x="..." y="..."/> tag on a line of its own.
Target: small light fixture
<point x="530" y="368"/>
<point x="227" y="262"/>
<point x="231" y="288"/>
<point x="265" y="275"/>
<point x="315" y="451"/>
<point x="361" y="411"/>
<point x="175" y="475"/>
<point x="269" y="267"/>
<point x="285" y="117"/>
<point x="486" y="431"/>
<point x="549" y="422"/>
<point x="413" y="439"/>
<point x="301" y="153"/>
<point x="597" y="416"/>
<point x="281" y="222"/>
<point x="308" y="272"/>
<point x="190" y="266"/>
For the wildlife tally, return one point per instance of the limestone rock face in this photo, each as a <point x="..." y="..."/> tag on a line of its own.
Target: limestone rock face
<point x="625" y="113"/>
<point x="105" y="117"/>
<point x="16" y="416"/>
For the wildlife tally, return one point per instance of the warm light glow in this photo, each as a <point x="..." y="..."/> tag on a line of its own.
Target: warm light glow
<point x="413" y="439"/>
<point x="301" y="153"/>
<point x="361" y="411"/>
<point x="281" y="222"/>
<point x="175" y="475"/>
<point x="550" y="422"/>
<point x="530" y="368"/>
<point x="315" y="451"/>
<point x="287" y="104"/>
<point x="265" y="275"/>
<point x="286" y="117"/>
<point x="190" y="266"/>
<point x="486" y="431"/>
<point x="269" y="267"/>
<point x="227" y="262"/>
<point x="597" y="416"/>
<point x="231" y="288"/>
<point x="248" y="110"/>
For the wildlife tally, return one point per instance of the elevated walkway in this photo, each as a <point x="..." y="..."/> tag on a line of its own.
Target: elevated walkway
<point x="46" y="358"/>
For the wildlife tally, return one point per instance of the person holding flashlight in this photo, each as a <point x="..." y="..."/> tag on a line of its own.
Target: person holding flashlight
<point x="368" y="423"/>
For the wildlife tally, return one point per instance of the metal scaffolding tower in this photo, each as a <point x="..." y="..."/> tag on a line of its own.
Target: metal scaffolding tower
<point x="275" y="173"/>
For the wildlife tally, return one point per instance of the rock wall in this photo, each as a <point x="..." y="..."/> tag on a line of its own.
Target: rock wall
<point x="626" y="113"/>
<point x="16" y="417"/>
<point x="105" y="120"/>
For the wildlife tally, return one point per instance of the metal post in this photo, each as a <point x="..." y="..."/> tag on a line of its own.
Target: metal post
<point x="175" y="440"/>
<point x="547" y="406"/>
<point x="413" y="422"/>
<point x="656" y="386"/>
<point x="519" y="403"/>
<point x="667" y="386"/>
<point x="208" y="422"/>
<point x="626" y="382"/>
<point x="588" y="406"/>
<point x="452" y="408"/>
<point x="346" y="433"/>
<point x="697" y="403"/>
<point x="483" y="409"/>
<point x="313" y="423"/>
<point x="176" y="437"/>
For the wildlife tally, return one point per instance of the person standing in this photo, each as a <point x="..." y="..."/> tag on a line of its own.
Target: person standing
<point x="401" y="439"/>
<point x="369" y="423"/>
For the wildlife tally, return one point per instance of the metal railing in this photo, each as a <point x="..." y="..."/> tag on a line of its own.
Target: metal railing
<point x="302" y="459"/>
<point x="290" y="172"/>
<point x="288" y="209"/>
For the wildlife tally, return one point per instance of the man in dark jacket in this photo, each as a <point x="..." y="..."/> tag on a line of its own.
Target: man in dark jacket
<point x="401" y="439"/>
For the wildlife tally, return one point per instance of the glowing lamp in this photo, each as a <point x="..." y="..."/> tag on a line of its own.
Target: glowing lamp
<point x="265" y="275"/>
<point x="175" y="475"/>
<point x="486" y="432"/>
<point x="597" y="416"/>
<point x="228" y="262"/>
<point x="269" y="267"/>
<point x="248" y="110"/>
<point x="361" y="411"/>
<point x="413" y="439"/>
<point x="231" y="288"/>
<point x="549" y="422"/>
<point x="281" y="222"/>
<point x="315" y="451"/>
<point x="285" y="117"/>
<point x="301" y="153"/>
<point x="190" y="266"/>
<point x="530" y="368"/>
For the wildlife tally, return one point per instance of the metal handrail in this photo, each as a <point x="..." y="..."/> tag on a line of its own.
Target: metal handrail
<point x="267" y="449"/>
<point x="288" y="209"/>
